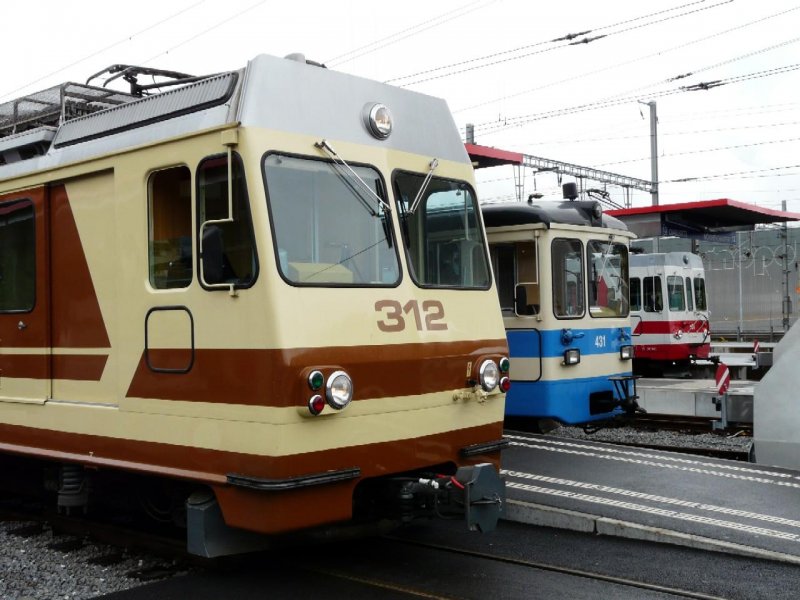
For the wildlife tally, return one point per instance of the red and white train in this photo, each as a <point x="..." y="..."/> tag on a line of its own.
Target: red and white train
<point x="669" y="310"/>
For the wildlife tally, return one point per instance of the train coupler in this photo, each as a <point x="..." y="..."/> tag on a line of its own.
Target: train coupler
<point x="474" y="493"/>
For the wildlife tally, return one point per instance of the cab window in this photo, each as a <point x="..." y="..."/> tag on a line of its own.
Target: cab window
<point x="568" y="278"/>
<point x="227" y="245"/>
<point x="329" y="227"/>
<point x="675" y="293"/>
<point x="608" y="277"/>
<point x="443" y="236"/>
<point x="636" y="294"/>
<point x="653" y="300"/>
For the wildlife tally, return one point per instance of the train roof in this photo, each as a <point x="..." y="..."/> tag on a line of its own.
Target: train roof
<point x="574" y="212"/>
<point x="73" y="122"/>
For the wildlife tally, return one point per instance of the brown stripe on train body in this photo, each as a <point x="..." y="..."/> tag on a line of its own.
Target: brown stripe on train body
<point x="276" y="377"/>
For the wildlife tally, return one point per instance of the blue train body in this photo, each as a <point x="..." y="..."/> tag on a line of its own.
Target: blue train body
<point x="562" y="277"/>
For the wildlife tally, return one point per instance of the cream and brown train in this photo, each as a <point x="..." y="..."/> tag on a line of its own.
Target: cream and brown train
<point x="259" y="299"/>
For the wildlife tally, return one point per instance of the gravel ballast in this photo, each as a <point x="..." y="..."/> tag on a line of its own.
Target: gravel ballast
<point x="31" y="570"/>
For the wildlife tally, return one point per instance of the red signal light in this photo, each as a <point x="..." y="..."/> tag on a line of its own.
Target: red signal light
<point x="505" y="384"/>
<point x="316" y="404"/>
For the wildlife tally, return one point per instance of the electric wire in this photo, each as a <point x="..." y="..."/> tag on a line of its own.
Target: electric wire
<point x="104" y="49"/>
<point x="629" y="62"/>
<point x="408" y="32"/>
<point x="205" y="31"/>
<point x="702" y="151"/>
<point x="490" y="127"/>
<point x="420" y="76"/>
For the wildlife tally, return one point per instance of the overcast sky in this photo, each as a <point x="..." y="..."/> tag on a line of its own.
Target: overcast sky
<point x="495" y="63"/>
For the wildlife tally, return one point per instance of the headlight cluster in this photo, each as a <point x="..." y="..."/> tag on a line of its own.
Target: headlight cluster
<point x="626" y="352"/>
<point x="492" y="375"/>
<point x="338" y="391"/>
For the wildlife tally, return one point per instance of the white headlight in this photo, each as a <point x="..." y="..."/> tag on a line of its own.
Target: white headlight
<point x="339" y="390"/>
<point x="488" y="375"/>
<point x="379" y="121"/>
<point x="572" y="356"/>
<point x="626" y="352"/>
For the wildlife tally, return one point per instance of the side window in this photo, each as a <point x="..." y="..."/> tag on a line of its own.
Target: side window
<point x="568" y="278"/>
<point x="636" y="293"/>
<point x="689" y="305"/>
<point x="227" y="246"/>
<point x="653" y="296"/>
<point x="675" y="293"/>
<point x="170" y="228"/>
<point x="17" y="257"/>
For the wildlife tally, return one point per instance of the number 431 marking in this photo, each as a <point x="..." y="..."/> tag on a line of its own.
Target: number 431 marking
<point x="600" y="341"/>
<point x="393" y="319"/>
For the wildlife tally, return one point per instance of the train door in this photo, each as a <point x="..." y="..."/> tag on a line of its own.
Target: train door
<point x="25" y="332"/>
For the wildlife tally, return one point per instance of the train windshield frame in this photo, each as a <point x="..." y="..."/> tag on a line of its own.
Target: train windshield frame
<point x="569" y="277"/>
<point x="608" y="275"/>
<point x="327" y="230"/>
<point x="443" y="239"/>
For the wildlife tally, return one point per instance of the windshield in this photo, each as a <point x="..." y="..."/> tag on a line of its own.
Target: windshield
<point x="443" y="237"/>
<point x="608" y="265"/>
<point x="328" y="230"/>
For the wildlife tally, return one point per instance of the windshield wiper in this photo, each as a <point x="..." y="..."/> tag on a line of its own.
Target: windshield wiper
<point x="324" y="145"/>
<point x="415" y="204"/>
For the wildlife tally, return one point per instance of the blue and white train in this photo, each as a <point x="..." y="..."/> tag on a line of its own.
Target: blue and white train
<point x="562" y="272"/>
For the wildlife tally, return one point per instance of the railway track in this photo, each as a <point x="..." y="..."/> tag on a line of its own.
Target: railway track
<point x="686" y="424"/>
<point x="529" y="567"/>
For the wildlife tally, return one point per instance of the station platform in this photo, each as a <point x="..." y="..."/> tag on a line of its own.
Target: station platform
<point x="705" y="503"/>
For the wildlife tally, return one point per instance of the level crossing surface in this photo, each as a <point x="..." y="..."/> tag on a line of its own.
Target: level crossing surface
<point x="730" y="506"/>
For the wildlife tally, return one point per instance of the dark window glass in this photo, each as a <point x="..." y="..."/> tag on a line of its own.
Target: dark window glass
<point x="443" y="237"/>
<point x="568" y="278"/>
<point x="328" y="229"/>
<point x="689" y="304"/>
<point x="17" y="257"/>
<point x="608" y="278"/>
<point x="653" y="294"/>
<point x="675" y="293"/>
<point x="700" y="293"/>
<point x="228" y="248"/>
<point x="170" y="228"/>
<point x="636" y="294"/>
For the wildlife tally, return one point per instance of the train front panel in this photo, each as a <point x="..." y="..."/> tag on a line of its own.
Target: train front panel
<point x="564" y="297"/>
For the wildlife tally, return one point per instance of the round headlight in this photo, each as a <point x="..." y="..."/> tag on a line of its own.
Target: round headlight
<point x="488" y="375"/>
<point x="597" y="211"/>
<point x="379" y="121"/>
<point x="339" y="390"/>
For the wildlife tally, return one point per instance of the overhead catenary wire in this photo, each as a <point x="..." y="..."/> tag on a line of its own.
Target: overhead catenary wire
<point x="408" y="32"/>
<point x="701" y="151"/>
<point x="216" y="25"/>
<point x="490" y="127"/>
<point x="658" y="53"/>
<point x="428" y="74"/>
<point x="102" y="50"/>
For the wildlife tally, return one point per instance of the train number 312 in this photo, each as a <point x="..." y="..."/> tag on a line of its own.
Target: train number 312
<point x="394" y="315"/>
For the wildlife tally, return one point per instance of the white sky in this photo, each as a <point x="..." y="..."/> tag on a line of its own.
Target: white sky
<point x="49" y="42"/>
